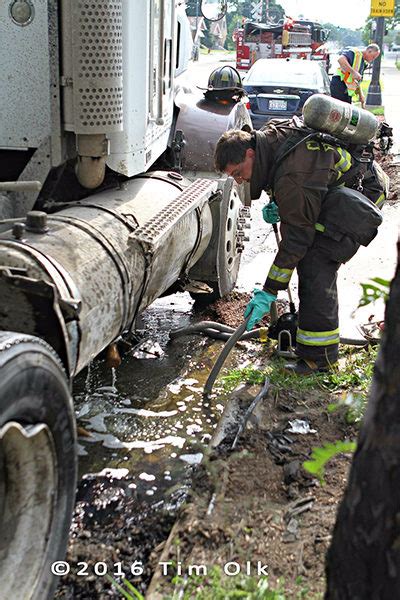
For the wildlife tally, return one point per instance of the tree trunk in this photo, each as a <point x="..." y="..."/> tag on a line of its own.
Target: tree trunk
<point x="363" y="562"/>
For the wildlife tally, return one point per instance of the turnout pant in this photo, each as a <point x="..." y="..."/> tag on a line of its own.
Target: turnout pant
<point x="318" y="330"/>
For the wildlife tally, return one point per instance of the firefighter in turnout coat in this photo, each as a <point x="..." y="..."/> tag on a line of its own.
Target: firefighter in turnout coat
<point x="323" y="222"/>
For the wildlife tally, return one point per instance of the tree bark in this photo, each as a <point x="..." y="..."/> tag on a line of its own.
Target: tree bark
<point x="363" y="562"/>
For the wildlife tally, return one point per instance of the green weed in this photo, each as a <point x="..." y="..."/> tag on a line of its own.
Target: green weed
<point x="321" y="456"/>
<point x="355" y="405"/>
<point x="377" y="290"/>
<point x="127" y="590"/>
<point x="217" y="586"/>
<point x="357" y="371"/>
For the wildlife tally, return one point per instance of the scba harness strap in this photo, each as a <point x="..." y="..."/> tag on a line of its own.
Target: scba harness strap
<point x="348" y="208"/>
<point x="355" y="159"/>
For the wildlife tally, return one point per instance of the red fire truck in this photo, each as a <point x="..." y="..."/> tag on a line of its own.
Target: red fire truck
<point x="289" y="38"/>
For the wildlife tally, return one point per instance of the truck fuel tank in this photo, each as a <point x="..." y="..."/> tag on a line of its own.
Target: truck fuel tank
<point x="78" y="278"/>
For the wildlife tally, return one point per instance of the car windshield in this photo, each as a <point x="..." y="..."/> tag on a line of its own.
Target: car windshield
<point x="274" y="72"/>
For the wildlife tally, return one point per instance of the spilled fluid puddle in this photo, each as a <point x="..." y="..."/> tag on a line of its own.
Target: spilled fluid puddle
<point x="147" y="424"/>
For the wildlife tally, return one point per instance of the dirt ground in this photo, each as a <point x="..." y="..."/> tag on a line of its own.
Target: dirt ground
<point x="257" y="503"/>
<point x="392" y="168"/>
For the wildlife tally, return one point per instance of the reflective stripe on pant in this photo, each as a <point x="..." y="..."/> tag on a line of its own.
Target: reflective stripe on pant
<point x="318" y="333"/>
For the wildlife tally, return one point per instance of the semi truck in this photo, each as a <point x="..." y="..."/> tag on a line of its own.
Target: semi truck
<point x="107" y="201"/>
<point x="289" y="38"/>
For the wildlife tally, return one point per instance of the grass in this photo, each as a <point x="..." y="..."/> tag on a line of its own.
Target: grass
<point x="397" y="63"/>
<point x="353" y="378"/>
<point x="378" y="110"/>
<point x="126" y="589"/>
<point x="354" y="374"/>
<point x="217" y="586"/>
<point x="365" y="85"/>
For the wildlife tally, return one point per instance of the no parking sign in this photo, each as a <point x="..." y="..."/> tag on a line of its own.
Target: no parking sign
<point x="382" y="8"/>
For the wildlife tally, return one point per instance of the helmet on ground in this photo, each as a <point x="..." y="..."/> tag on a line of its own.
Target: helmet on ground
<point x="225" y="77"/>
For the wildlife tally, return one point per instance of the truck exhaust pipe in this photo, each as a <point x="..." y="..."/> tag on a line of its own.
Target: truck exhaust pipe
<point x="91" y="163"/>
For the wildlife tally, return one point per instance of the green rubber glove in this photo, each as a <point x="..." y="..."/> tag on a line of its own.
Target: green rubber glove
<point x="259" y="305"/>
<point x="270" y="213"/>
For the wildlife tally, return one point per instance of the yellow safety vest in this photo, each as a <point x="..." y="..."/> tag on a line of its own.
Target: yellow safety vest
<point x="352" y="85"/>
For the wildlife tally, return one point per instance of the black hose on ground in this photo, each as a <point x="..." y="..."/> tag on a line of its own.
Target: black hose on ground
<point x="218" y="331"/>
<point x="237" y="334"/>
<point x="358" y="342"/>
<point x="200" y="327"/>
<point x="218" y="334"/>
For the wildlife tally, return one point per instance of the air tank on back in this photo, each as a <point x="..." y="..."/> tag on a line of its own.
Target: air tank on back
<point x="340" y="119"/>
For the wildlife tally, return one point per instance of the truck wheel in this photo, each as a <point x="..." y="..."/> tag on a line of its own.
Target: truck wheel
<point x="219" y="266"/>
<point x="38" y="464"/>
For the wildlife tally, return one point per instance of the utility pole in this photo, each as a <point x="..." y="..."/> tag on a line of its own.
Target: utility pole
<point x="196" y="35"/>
<point x="266" y="11"/>
<point x="374" y="97"/>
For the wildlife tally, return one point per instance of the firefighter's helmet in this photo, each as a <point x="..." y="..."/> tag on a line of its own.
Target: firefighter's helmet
<point x="224" y="78"/>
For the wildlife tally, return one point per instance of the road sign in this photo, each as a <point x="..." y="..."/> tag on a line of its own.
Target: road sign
<point x="382" y="8"/>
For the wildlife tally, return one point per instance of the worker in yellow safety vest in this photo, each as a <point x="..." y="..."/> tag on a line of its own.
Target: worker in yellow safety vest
<point x="346" y="83"/>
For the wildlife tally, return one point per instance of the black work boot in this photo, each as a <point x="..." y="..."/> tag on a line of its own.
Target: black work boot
<point x="306" y="367"/>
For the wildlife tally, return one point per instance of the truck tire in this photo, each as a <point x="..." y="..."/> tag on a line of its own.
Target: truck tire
<point x="219" y="266"/>
<point x="38" y="466"/>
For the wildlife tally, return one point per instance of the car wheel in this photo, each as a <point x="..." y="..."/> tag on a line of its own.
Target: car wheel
<point x="38" y="465"/>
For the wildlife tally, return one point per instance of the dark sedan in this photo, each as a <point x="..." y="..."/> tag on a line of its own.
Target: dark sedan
<point x="278" y="87"/>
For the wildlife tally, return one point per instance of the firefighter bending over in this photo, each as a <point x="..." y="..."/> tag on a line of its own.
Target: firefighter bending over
<point x="323" y="223"/>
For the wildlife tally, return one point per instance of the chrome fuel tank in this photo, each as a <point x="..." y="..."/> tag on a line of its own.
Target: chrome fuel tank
<point x="78" y="278"/>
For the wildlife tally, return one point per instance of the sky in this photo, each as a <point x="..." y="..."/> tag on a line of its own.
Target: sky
<point x="345" y="13"/>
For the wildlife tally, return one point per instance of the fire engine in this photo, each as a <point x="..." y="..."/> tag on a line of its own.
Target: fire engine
<point x="288" y="38"/>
